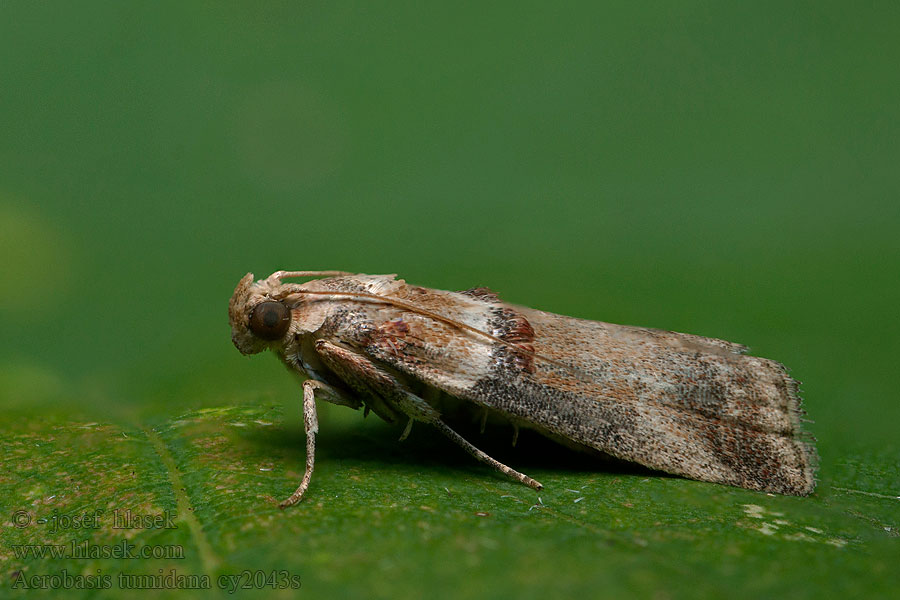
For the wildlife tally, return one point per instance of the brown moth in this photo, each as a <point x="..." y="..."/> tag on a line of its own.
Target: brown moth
<point x="684" y="404"/>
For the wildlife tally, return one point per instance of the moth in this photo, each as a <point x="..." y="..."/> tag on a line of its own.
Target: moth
<point x="684" y="404"/>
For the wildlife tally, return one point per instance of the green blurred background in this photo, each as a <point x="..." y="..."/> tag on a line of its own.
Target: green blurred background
<point x="715" y="168"/>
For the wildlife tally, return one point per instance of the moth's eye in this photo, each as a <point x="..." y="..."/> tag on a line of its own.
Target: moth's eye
<point x="270" y="320"/>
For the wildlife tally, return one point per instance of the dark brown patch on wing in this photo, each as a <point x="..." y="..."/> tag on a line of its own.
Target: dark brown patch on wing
<point x="512" y="327"/>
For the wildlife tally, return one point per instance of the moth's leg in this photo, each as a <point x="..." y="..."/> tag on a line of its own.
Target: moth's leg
<point x="508" y="471"/>
<point x="362" y="374"/>
<point x="422" y="411"/>
<point x="313" y="389"/>
<point x="406" y="430"/>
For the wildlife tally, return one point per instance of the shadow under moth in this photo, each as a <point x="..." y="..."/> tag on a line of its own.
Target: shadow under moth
<point x="684" y="404"/>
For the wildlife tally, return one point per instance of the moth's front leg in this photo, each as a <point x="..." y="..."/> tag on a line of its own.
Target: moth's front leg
<point x="363" y="375"/>
<point x="311" y="390"/>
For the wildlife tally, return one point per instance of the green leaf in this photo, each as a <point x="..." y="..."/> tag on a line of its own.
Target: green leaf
<point x="387" y="519"/>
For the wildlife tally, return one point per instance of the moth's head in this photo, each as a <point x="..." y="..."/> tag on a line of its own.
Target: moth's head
<point x="257" y="317"/>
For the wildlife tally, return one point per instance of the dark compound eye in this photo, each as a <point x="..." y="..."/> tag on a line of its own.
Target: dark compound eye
<point x="270" y="320"/>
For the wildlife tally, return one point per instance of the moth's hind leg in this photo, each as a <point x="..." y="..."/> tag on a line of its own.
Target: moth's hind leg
<point x="480" y="455"/>
<point x="364" y="375"/>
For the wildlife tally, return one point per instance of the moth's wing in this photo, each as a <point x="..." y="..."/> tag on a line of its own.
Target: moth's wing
<point x="679" y="403"/>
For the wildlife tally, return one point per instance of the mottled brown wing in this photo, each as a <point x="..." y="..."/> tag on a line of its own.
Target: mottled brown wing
<point x="680" y="403"/>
